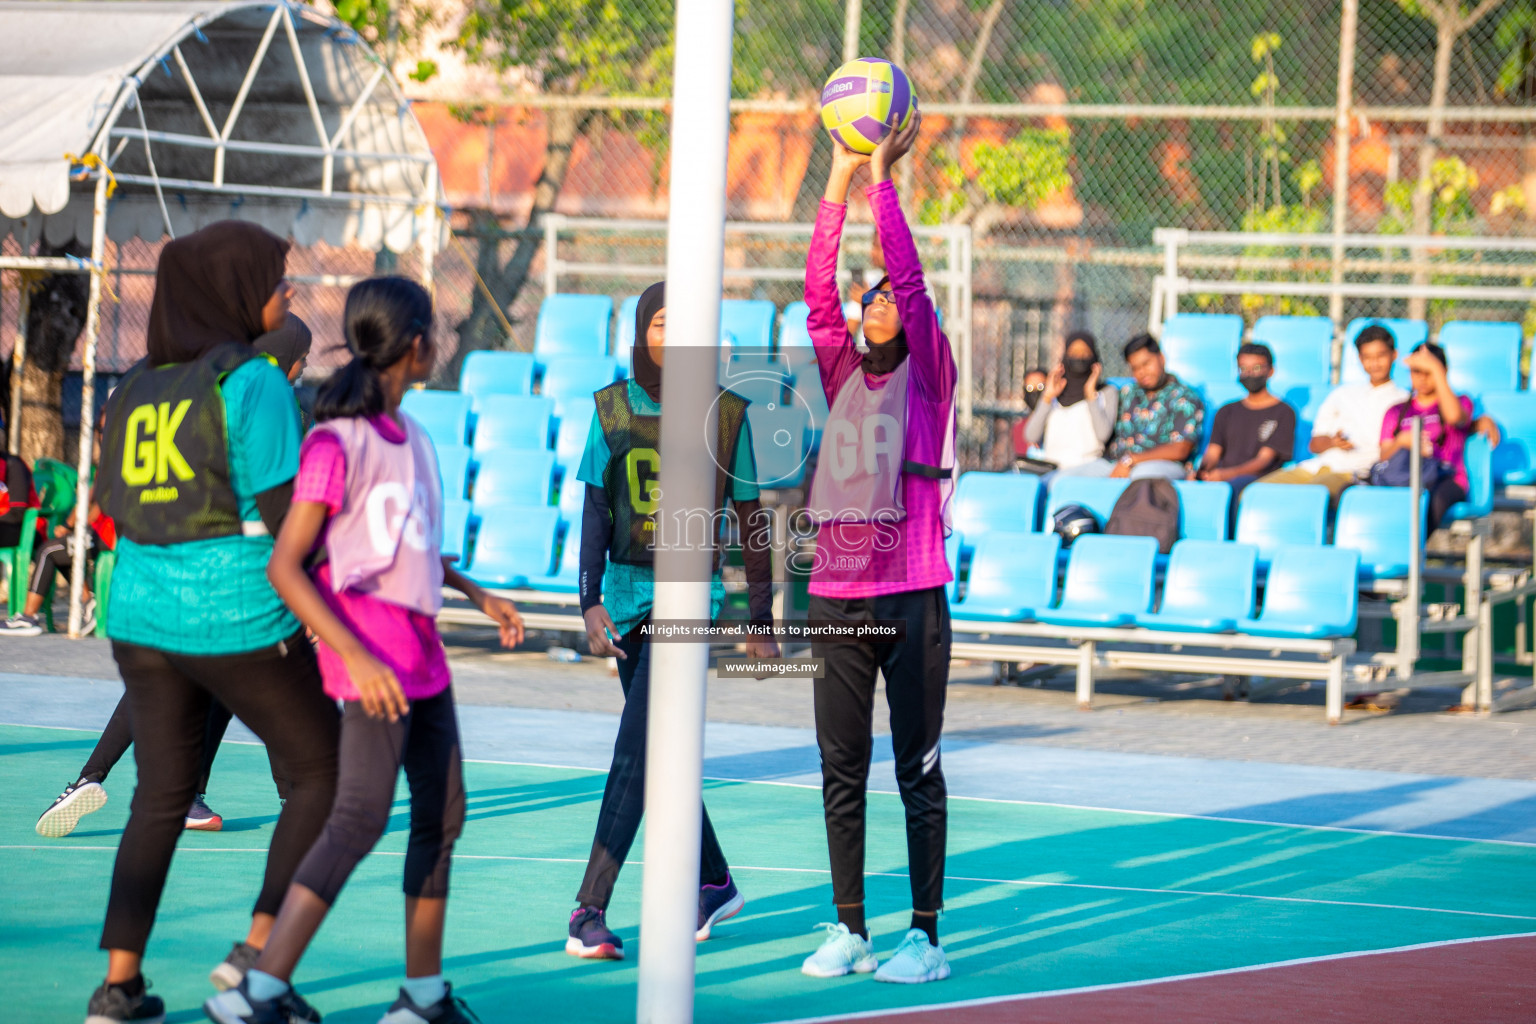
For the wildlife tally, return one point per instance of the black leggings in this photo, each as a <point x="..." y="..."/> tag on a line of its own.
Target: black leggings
<point x="916" y="672"/>
<point x="1445" y="493"/>
<point x="118" y="734"/>
<point x="53" y="557"/>
<point x="618" y="819"/>
<point x="425" y="741"/>
<point x="275" y="691"/>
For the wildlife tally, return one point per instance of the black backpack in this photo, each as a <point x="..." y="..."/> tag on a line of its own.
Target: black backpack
<point x="1147" y="508"/>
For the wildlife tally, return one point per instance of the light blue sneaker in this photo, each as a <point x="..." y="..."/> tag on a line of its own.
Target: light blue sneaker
<point x="915" y="961"/>
<point x="841" y="953"/>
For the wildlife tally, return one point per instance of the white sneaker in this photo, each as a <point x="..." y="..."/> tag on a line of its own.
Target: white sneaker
<point x="915" y="961"/>
<point x="22" y="625"/>
<point x="78" y="799"/>
<point x="841" y="953"/>
<point x="88" y="618"/>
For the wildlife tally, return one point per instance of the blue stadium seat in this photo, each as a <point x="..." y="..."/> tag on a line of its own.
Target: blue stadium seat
<point x="571" y="438"/>
<point x="779" y="444"/>
<point x="954" y="556"/>
<point x="1514" y="461"/>
<point x="1204" y="507"/>
<point x="1303" y="348"/>
<point x="1109" y="582"/>
<point x="1483" y="355"/>
<point x="514" y="544"/>
<point x="1374" y="522"/>
<point x="444" y="415"/>
<point x="566" y="577"/>
<point x="1478" y="457"/>
<point x="984" y="502"/>
<point x="496" y="373"/>
<point x="453" y="467"/>
<point x="1307" y="402"/>
<point x="1202" y="347"/>
<point x="1208" y="587"/>
<point x="1270" y="516"/>
<point x="795" y="347"/>
<point x="516" y="422"/>
<point x="573" y="497"/>
<point x="750" y="321"/>
<point x="1310" y="592"/>
<point x="624" y="332"/>
<point x="455" y="528"/>
<point x="578" y="377"/>
<point x="1012" y="577"/>
<point x="1409" y="334"/>
<point x="514" y="478"/>
<point x="572" y="325"/>
<point x="1097" y="494"/>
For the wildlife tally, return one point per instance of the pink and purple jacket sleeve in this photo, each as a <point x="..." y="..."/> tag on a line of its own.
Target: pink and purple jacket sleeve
<point x="933" y="371"/>
<point x="835" y="355"/>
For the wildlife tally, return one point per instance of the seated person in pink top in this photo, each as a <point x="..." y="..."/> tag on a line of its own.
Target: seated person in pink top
<point x="367" y="507"/>
<point x="882" y="483"/>
<point x="1447" y="419"/>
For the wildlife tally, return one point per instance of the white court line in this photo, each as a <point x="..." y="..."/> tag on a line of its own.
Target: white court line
<point x="1176" y="815"/>
<point x="1114" y="986"/>
<point x="1021" y="883"/>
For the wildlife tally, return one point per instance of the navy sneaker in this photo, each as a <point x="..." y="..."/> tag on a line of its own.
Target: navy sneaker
<point x="590" y="937"/>
<point x="717" y="903"/>
<point x="79" y="798"/>
<point x="111" y="1005"/>
<point x="236" y="1006"/>
<point x="448" y="1010"/>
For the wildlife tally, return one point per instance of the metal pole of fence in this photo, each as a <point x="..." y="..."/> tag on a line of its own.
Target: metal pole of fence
<point x="1348" y="29"/>
<point x="853" y="13"/>
<point x="675" y="730"/>
<point x="19" y="356"/>
<point x="88" y="405"/>
<point x="1408" y="619"/>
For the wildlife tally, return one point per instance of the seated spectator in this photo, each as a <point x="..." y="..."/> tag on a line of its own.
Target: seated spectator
<point x="1034" y="386"/>
<point x="55" y="557"/>
<point x="16" y="496"/>
<point x="1346" y="438"/>
<point x="1159" y="420"/>
<point x="1254" y="435"/>
<point x="1075" y="417"/>
<point x="1447" y="420"/>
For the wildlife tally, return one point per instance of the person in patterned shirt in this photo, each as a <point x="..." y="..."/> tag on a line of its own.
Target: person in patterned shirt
<point x="1160" y="418"/>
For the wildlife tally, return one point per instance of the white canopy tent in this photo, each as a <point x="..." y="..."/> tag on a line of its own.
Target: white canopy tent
<point x="131" y="119"/>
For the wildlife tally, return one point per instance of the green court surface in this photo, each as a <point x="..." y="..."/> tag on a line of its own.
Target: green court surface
<point x="1039" y="897"/>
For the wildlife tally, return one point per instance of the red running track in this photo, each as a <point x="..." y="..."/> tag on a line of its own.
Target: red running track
<point x="1483" y="981"/>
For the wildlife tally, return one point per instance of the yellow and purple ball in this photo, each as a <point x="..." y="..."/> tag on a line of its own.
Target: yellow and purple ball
<point x="864" y="101"/>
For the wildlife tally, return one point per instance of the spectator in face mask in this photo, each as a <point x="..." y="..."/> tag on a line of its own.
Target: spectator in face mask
<point x="1254" y="435"/>
<point x="1075" y="417"/>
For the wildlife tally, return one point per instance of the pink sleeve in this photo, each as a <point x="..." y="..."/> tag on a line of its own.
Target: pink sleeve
<point x="933" y="371"/>
<point x="1391" y="422"/>
<point x="322" y="471"/>
<point x="836" y="357"/>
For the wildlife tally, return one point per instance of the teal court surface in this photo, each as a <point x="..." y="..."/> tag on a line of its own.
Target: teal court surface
<point x="1040" y="897"/>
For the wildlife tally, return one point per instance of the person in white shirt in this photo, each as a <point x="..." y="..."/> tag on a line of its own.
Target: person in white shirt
<point x="1075" y="417"/>
<point x="1346" y="438"/>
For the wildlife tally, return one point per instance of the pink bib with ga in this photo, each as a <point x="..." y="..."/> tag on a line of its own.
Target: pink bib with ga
<point x="858" y="474"/>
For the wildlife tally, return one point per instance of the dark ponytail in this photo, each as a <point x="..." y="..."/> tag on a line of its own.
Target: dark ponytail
<point x="382" y="317"/>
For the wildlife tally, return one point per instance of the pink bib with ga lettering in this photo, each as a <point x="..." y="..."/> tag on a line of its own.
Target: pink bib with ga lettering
<point x="858" y="474"/>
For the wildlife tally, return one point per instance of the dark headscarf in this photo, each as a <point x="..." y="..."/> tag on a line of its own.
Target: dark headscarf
<point x="882" y="359"/>
<point x="1077" y="378"/>
<point x="210" y="288"/>
<point x="288" y="344"/>
<point x="646" y="371"/>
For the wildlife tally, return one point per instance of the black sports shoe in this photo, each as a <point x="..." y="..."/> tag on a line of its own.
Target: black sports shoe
<point x="111" y="1005"/>
<point x="231" y="972"/>
<point x="79" y="798"/>
<point x="237" y="1007"/>
<point x="591" y="938"/>
<point x="448" y="1010"/>
<point x="716" y="904"/>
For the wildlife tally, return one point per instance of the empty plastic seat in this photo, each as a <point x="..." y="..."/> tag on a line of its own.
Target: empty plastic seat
<point x="750" y="321"/>
<point x="514" y="543"/>
<point x="455" y="528"/>
<point x="1097" y="494"/>
<point x="496" y="373"/>
<point x="995" y="501"/>
<point x="1409" y="334"/>
<point x="779" y="444"/>
<point x="578" y="377"/>
<point x="1208" y="587"/>
<point x="513" y="422"/>
<point x="1204" y="507"/>
<point x="1514" y="461"/>
<point x="564" y="580"/>
<point x="572" y="325"/>
<point x="571" y="438"/>
<point x="1307" y="402"/>
<point x="509" y="477"/>
<point x="444" y="415"/>
<point x="1012" y="577"/>
<point x="954" y="556"/>
<point x="573" y="497"/>
<point x="1202" y="346"/>
<point x="1478" y="457"/>
<point x="1270" y="516"/>
<point x="1303" y="348"/>
<point x="1310" y="592"/>
<point x="1374" y="522"/>
<point x="453" y="467"/>
<point x="1483" y="355"/>
<point x="624" y="332"/>
<point x="1109" y="582"/>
